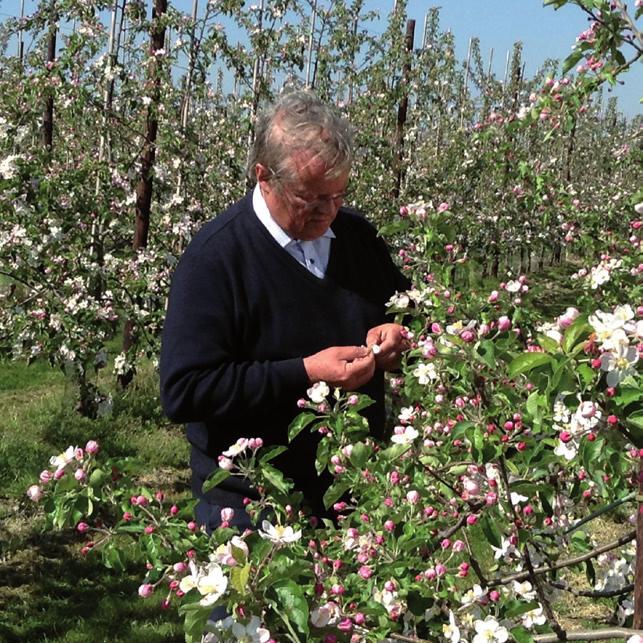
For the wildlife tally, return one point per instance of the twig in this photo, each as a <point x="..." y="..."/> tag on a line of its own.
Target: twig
<point x="592" y="593"/>
<point x="591" y="635"/>
<point x="549" y="612"/>
<point x="600" y="511"/>
<point x="623" y="540"/>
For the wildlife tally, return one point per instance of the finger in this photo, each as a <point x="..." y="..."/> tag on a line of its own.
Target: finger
<point x="374" y="336"/>
<point x="350" y="353"/>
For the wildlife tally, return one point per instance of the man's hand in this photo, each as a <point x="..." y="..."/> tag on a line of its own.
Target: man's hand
<point x="348" y="367"/>
<point x="391" y="342"/>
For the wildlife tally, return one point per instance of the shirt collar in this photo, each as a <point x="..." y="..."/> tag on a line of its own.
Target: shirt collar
<point x="276" y="231"/>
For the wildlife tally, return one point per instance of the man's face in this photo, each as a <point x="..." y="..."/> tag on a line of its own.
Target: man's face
<point x="304" y="207"/>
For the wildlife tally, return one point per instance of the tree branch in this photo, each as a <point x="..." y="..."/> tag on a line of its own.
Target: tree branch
<point x="623" y="540"/>
<point x="592" y="593"/>
<point x="591" y="635"/>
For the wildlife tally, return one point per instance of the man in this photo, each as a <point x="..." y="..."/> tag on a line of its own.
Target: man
<point x="284" y="289"/>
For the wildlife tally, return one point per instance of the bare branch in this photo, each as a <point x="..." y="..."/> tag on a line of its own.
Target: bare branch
<point x="592" y="593"/>
<point x="623" y="540"/>
<point x="591" y="635"/>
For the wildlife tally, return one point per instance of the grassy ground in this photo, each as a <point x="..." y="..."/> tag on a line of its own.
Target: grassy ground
<point x="48" y="591"/>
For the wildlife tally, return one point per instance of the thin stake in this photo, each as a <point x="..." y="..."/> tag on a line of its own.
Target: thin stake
<point x="311" y="34"/>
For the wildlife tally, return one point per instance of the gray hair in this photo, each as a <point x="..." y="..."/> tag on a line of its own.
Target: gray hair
<point x="299" y="121"/>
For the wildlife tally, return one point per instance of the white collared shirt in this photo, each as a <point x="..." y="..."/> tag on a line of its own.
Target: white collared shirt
<point x="313" y="255"/>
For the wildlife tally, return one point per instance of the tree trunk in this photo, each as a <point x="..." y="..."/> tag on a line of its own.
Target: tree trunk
<point x="48" y="118"/>
<point x="146" y="160"/>
<point x="638" y="578"/>
<point x="403" y="109"/>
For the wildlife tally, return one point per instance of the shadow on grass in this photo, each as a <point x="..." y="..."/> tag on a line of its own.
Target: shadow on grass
<point x="49" y="593"/>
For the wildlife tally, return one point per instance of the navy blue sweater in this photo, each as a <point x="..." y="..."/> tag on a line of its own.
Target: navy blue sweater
<point x="241" y="317"/>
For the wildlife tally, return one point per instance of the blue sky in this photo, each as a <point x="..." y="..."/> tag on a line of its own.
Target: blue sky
<point x="544" y="32"/>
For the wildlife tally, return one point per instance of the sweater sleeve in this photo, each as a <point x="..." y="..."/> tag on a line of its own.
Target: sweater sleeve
<point x="204" y="375"/>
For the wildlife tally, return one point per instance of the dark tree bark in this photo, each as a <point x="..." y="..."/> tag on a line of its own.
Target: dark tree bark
<point x="403" y="109"/>
<point x="147" y="158"/>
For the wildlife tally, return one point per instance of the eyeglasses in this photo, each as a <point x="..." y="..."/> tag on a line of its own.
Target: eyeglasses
<point x="304" y="203"/>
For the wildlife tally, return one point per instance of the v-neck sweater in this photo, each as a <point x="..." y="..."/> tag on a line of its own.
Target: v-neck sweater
<point x="242" y="315"/>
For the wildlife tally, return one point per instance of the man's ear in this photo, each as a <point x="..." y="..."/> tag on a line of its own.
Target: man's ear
<point x="262" y="173"/>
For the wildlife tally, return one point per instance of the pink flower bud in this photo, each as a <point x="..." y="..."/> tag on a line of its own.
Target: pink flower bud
<point x="160" y="496"/>
<point x="80" y="475"/>
<point x="225" y="463"/>
<point x="46" y="476"/>
<point x="58" y="474"/>
<point x="92" y="447"/>
<point x="149" y="529"/>
<point x="440" y="569"/>
<point x="389" y="525"/>
<point x="365" y="572"/>
<point x="145" y="590"/>
<point x="227" y="514"/>
<point x="34" y="493"/>
<point x="445" y="544"/>
<point x="174" y="510"/>
<point x="82" y="527"/>
<point x="413" y="497"/>
<point x="127" y="516"/>
<point x="459" y="546"/>
<point x="192" y="526"/>
<point x="390" y="586"/>
<point x="472" y="519"/>
<point x="179" y="567"/>
<point x="493" y="297"/>
<point x="504" y="323"/>
<point x="142" y="501"/>
<point x="359" y="618"/>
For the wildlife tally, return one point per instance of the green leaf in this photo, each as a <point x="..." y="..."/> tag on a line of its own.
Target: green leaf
<point x="521" y="634"/>
<point x="275" y="478"/>
<point x="487" y="352"/>
<point x="300" y="423"/>
<point x="97" y="477"/>
<point x="460" y="429"/>
<point x="490" y="531"/>
<point x="217" y="477"/>
<point x="571" y="61"/>
<point x="635" y="423"/>
<point x="272" y="454"/>
<point x="394" y="452"/>
<point x="335" y="492"/>
<point x="524" y="488"/>
<point x="579" y="328"/>
<point x="239" y="578"/>
<point x="626" y="395"/>
<point x="516" y="608"/>
<point x="527" y="362"/>
<point x="359" y="455"/>
<point x="323" y="454"/>
<point x="291" y="597"/>
<point x="536" y="402"/>
<point x="196" y="617"/>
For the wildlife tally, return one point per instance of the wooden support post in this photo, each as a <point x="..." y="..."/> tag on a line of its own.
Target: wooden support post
<point x="403" y="108"/>
<point x="638" y="577"/>
<point x="48" y="118"/>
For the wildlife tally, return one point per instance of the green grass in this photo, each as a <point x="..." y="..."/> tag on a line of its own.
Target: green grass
<point x="48" y="592"/>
